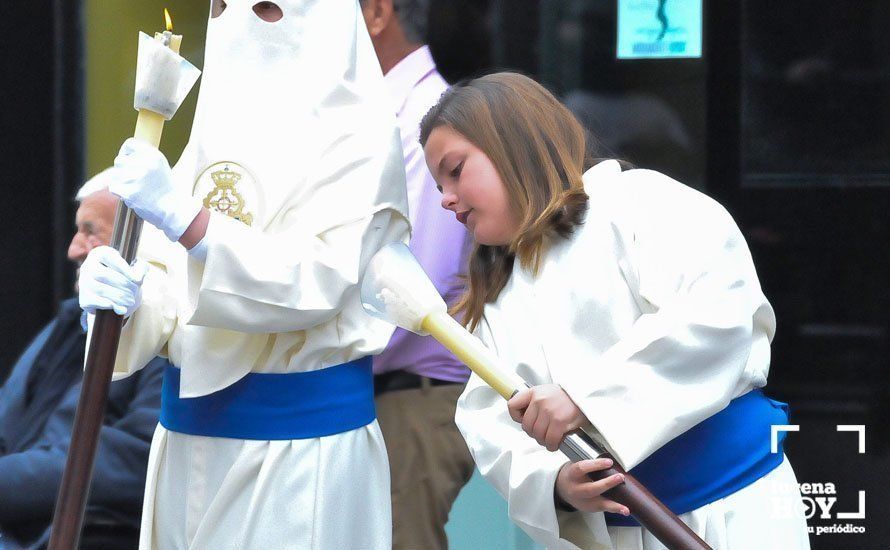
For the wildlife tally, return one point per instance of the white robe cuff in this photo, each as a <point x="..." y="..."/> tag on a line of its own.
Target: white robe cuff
<point x="199" y="251"/>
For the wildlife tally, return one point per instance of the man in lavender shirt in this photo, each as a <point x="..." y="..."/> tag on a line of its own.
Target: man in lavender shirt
<point x="417" y="381"/>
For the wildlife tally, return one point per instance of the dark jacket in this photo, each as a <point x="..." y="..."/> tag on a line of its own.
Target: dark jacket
<point x="37" y="405"/>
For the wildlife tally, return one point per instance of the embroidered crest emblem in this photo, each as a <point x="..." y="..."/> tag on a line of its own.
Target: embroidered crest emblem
<point x="228" y="188"/>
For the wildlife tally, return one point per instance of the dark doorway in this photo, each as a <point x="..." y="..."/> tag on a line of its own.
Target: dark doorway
<point x="42" y="155"/>
<point x="799" y="151"/>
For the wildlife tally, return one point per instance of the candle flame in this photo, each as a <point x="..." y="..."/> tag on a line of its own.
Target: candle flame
<point x="168" y="20"/>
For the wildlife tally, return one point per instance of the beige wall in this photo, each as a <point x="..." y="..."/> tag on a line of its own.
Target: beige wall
<point x="112" y="28"/>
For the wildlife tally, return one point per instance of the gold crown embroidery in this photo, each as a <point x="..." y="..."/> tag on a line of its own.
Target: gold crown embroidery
<point x="224" y="198"/>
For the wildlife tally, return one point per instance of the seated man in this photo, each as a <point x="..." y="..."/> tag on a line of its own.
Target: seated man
<point x="37" y="405"/>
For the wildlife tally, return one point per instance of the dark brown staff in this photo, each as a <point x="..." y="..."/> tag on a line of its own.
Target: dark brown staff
<point x="163" y="79"/>
<point x="643" y="505"/>
<point x="396" y="289"/>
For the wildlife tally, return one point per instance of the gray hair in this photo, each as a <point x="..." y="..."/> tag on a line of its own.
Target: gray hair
<point x="97" y="183"/>
<point x="413" y="15"/>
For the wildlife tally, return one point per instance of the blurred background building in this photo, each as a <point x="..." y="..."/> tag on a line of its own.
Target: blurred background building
<point x="784" y="118"/>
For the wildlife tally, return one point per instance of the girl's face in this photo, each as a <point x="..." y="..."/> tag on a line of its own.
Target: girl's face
<point x="471" y="187"/>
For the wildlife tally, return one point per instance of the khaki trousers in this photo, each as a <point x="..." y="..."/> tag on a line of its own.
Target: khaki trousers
<point x="428" y="459"/>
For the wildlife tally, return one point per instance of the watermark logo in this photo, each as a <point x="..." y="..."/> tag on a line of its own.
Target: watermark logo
<point x="818" y="501"/>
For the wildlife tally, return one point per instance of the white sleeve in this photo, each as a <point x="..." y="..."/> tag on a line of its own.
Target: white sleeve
<point x="145" y="334"/>
<point x="262" y="283"/>
<point x="705" y="328"/>
<point x="522" y="471"/>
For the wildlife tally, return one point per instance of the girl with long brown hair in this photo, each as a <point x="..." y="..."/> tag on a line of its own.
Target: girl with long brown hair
<point x="631" y="305"/>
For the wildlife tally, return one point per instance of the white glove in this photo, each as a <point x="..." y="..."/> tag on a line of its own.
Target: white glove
<point x="106" y="281"/>
<point x="142" y="178"/>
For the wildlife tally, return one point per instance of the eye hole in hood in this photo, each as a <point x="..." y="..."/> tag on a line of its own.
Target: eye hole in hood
<point x="217" y="8"/>
<point x="268" y="11"/>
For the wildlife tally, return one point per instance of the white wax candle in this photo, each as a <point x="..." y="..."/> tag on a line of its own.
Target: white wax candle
<point x="157" y="76"/>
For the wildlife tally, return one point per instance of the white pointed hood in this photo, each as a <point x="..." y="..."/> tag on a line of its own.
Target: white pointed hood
<point x="294" y="104"/>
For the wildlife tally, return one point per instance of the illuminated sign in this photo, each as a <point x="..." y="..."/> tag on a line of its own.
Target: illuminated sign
<point x="659" y="28"/>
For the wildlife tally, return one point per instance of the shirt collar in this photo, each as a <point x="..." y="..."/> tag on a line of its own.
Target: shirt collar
<point x="402" y="78"/>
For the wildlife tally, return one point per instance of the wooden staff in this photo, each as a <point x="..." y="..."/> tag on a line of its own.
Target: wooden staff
<point x="100" y="359"/>
<point x="650" y="512"/>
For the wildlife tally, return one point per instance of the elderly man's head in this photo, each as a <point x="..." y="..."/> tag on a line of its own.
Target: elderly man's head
<point x="94" y="218"/>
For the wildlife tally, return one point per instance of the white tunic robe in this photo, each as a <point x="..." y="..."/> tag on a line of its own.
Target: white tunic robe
<point x="652" y="319"/>
<point x="299" y="110"/>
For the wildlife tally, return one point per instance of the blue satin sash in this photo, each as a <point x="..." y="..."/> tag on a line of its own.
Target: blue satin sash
<point x="270" y="406"/>
<point x="724" y="453"/>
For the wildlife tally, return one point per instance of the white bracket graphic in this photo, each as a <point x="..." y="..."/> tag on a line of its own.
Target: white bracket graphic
<point x="774" y="434"/>
<point x="855" y="428"/>
<point x="855" y="515"/>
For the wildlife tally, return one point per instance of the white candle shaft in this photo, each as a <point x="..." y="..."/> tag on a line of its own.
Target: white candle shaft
<point x="470" y="350"/>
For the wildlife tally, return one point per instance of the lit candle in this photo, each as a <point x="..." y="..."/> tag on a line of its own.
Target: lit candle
<point x="163" y="79"/>
<point x="172" y="41"/>
<point x="157" y="81"/>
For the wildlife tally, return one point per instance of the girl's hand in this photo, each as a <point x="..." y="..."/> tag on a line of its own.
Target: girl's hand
<point x="576" y="489"/>
<point x="546" y="413"/>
